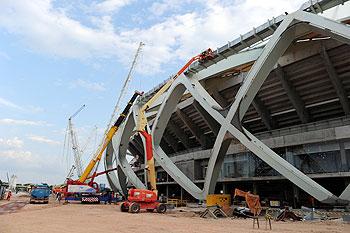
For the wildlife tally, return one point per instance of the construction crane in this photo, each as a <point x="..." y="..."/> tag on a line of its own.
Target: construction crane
<point x="125" y="84"/>
<point x="91" y="169"/>
<point x="85" y="189"/>
<point x="85" y="185"/>
<point x="143" y="198"/>
<point x="75" y="145"/>
<point x="108" y="138"/>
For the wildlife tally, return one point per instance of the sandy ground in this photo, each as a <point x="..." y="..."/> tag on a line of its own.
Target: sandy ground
<point x="78" y="218"/>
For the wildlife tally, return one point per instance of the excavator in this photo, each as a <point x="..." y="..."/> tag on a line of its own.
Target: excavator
<point x="147" y="198"/>
<point x="253" y="201"/>
<point x="85" y="188"/>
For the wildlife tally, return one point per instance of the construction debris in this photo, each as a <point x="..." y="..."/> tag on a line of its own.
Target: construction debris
<point x="214" y="212"/>
<point x="287" y="214"/>
<point x="242" y="212"/>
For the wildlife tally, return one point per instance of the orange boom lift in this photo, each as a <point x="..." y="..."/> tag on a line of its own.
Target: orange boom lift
<point x="147" y="199"/>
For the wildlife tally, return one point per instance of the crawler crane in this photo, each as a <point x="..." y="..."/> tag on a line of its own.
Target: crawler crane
<point x="85" y="188"/>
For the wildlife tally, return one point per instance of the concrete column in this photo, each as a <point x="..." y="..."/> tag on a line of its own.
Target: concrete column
<point x="343" y="160"/>
<point x="181" y="189"/>
<point x="224" y="188"/>
<point x="255" y="188"/>
<point x="251" y="164"/>
<point x="290" y="157"/>
<point x="167" y="190"/>
<point x="295" y="196"/>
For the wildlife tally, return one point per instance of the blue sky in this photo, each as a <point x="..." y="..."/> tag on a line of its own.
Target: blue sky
<point x="57" y="55"/>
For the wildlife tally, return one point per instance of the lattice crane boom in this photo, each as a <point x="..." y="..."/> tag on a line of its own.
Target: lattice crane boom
<point x="75" y="145"/>
<point x="111" y="129"/>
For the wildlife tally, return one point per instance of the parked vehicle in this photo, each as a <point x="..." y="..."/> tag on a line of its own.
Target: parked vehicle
<point x="40" y="194"/>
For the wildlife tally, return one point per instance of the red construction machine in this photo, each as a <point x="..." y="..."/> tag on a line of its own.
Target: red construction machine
<point x="139" y="199"/>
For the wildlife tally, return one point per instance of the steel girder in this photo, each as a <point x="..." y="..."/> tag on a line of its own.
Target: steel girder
<point x="293" y="26"/>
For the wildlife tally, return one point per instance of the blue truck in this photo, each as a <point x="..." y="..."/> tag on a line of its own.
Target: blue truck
<point x="40" y="194"/>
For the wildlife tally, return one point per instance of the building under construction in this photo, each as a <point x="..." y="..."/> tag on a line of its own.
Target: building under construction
<point x="269" y="113"/>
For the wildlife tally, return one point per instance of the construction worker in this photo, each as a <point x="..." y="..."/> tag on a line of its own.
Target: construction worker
<point x="9" y="194"/>
<point x="58" y="197"/>
<point x="110" y="196"/>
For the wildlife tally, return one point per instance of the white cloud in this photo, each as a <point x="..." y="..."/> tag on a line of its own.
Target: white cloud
<point x="110" y="5"/>
<point x="34" y="109"/>
<point x="175" y="38"/>
<point x="7" y="103"/>
<point x="164" y="6"/>
<point x="12" y="143"/>
<point x="30" y="108"/>
<point x="17" y="155"/>
<point x="43" y="139"/>
<point x="51" y="31"/>
<point x="8" y="121"/>
<point x="91" y="86"/>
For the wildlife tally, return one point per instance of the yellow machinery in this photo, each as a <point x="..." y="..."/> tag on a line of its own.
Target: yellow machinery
<point x="219" y="199"/>
<point x="107" y="140"/>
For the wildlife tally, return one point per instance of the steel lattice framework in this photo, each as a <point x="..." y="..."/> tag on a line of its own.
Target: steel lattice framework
<point x="293" y="26"/>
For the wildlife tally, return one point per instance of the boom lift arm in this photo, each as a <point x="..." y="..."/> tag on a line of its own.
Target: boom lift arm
<point x="142" y="120"/>
<point x="108" y="138"/>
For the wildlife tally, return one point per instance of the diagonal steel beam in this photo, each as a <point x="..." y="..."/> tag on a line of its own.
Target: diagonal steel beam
<point x="294" y="97"/>
<point x="336" y="82"/>
<point x="280" y="41"/>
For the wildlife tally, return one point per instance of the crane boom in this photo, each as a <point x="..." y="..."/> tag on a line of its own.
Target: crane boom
<point x="75" y="145"/>
<point x="70" y="173"/>
<point x="124" y="88"/>
<point x="120" y="98"/>
<point x="76" y="113"/>
<point x="108" y="138"/>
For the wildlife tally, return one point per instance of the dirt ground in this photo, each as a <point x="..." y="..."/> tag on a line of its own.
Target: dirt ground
<point x="78" y="218"/>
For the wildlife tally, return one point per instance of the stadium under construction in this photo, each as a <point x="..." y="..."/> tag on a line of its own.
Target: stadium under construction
<point x="270" y="113"/>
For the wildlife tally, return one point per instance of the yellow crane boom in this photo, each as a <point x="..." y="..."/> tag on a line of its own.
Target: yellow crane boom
<point x="108" y="138"/>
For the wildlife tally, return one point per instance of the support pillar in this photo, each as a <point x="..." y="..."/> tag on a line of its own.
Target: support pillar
<point x="290" y="157"/>
<point x="255" y="188"/>
<point x="296" y="200"/>
<point x="224" y="188"/>
<point x="343" y="161"/>
<point x="181" y="193"/>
